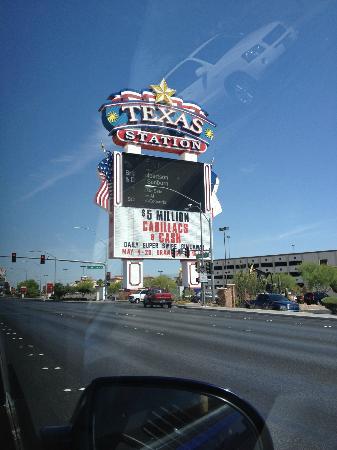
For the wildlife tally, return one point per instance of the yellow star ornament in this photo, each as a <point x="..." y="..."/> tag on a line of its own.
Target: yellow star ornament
<point x="112" y="117"/>
<point x="209" y="133"/>
<point x="163" y="92"/>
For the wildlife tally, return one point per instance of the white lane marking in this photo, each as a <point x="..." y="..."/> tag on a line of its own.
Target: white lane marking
<point x="31" y="354"/>
<point x="81" y="389"/>
<point x="327" y="326"/>
<point x="30" y="345"/>
<point x="41" y="354"/>
<point x="57" y="368"/>
<point x="67" y="390"/>
<point x="44" y="368"/>
<point x="20" y="339"/>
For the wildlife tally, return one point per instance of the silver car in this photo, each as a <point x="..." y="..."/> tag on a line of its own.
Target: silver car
<point x="230" y="65"/>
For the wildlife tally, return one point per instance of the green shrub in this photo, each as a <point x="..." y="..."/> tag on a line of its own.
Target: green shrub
<point x="330" y="303"/>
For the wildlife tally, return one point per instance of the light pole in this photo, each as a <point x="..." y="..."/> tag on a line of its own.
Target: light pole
<point x="229" y="248"/>
<point x="80" y="227"/>
<point x="199" y="206"/>
<point x="224" y="229"/>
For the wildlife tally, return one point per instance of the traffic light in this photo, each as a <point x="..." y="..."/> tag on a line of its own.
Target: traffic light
<point x="187" y="252"/>
<point x="209" y="267"/>
<point x="108" y="276"/>
<point x="173" y="252"/>
<point x="197" y="280"/>
<point x="42" y="259"/>
<point x="13" y="257"/>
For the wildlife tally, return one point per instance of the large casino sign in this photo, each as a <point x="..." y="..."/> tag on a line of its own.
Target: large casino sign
<point x="157" y="121"/>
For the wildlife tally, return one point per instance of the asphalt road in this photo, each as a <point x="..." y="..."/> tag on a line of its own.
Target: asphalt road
<point x="285" y="366"/>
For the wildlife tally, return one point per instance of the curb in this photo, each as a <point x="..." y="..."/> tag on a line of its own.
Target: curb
<point x="301" y="314"/>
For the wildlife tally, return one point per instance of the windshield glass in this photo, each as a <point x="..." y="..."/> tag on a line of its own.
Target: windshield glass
<point x="184" y="75"/>
<point x="166" y="168"/>
<point x="217" y="48"/>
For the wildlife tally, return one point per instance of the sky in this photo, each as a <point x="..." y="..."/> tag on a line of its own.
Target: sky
<point x="276" y="158"/>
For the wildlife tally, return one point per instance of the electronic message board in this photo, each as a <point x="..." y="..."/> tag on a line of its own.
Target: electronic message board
<point x="166" y="175"/>
<point x="153" y="233"/>
<point x="149" y="222"/>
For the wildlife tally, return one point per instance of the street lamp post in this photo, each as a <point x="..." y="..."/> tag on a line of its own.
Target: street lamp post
<point x="224" y="229"/>
<point x="199" y="206"/>
<point x="79" y="227"/>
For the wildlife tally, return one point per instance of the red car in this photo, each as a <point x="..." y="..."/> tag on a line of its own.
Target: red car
<point x="158" y="297"/>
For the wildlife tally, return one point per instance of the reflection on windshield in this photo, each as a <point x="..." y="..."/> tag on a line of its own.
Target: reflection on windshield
<point x="216" y="48"/>
<point x="184" y="75"/>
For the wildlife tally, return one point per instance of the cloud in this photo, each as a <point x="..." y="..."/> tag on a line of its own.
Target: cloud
<point x="62" y="159"/>
<point x="299" y="230"/>
<point x="86" y="153"/>
<point x="250" y="168"/>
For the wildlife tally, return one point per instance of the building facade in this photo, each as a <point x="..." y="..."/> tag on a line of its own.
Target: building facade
<point x="281" y="263"/>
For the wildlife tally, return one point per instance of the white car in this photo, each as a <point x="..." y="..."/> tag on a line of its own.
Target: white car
<point x="137" y="296"/>
<point x="230" y="66"/>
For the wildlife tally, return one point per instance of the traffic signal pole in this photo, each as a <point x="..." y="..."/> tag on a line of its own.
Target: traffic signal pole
<point x="202" y="257"/>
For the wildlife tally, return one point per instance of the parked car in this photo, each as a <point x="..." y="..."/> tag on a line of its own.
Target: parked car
<point x="231" y="66"/>
<point x="158" y="297"/>
<point x="273" y="301"/>
<point x="138" y="297"/>
<point x="313" y="298"/>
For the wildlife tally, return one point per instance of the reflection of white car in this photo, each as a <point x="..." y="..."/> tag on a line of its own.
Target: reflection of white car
<point x="227" y="65"/>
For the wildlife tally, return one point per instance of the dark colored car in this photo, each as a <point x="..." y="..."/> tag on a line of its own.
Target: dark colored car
<point x="273" y="301"/>
<point x="313" y="298"/>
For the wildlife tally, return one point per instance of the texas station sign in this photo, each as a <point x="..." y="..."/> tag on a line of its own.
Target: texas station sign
<point x="156" y="205"/>
<point x="157" y="121"/>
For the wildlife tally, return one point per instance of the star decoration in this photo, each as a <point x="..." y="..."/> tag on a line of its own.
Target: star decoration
<point x="112" y="116"/>
<point x="163" y="92"/>
<point x="209" y="133"/>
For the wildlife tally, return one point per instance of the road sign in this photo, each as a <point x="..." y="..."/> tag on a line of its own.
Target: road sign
<point x="203" y="278"/>
<point x="94" y="267"/>
<point x="200" y="256"/>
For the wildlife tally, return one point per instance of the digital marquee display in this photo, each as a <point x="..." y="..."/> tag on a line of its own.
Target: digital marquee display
<point x="152" y="233"/>
<point x="185" y="177"/>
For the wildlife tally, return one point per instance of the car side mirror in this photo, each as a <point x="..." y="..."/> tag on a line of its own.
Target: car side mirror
<point x="158" y="412"/>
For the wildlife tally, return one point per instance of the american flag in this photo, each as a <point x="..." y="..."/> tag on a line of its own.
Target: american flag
<point x="105" y="174"/>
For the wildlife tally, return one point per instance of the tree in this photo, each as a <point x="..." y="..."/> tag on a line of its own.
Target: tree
<point x="164" y="282"/>
<point x="317" y="277"/>
<point x="248" y="285"/>
<point x="100" y="283"/>
<point x="114" y="287"/>
<point x="333" y="283"/>
<point x="32" y="288"/>
<point x="148" y="281"/>
<point x="285" y="282"/>
<point x="60" y="290"/>
<point x="85" y="287"/>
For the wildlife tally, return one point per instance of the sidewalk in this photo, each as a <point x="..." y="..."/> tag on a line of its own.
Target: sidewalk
<point x="319" y="314"/>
